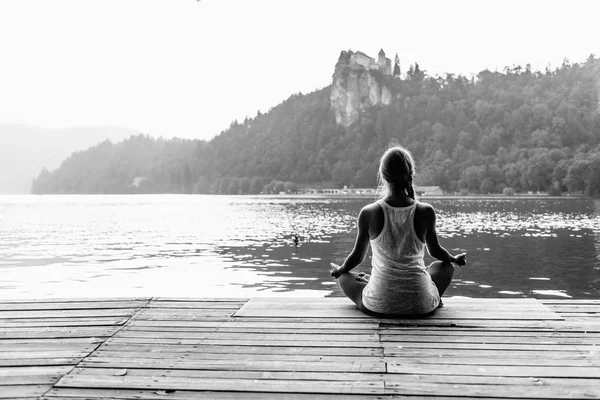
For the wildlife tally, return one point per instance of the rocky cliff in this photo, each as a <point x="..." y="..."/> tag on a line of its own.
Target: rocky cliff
<point x="355" y="89"/>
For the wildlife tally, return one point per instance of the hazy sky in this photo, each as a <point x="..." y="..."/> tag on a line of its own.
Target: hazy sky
<point x="188" y="68"/>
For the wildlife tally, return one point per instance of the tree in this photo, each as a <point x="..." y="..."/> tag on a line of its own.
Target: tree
<point x="224" y="185"/>
<point x="187" y="179"/>
<point x="593" y="183"/>
<point x="290" y="187"/>
<point x="538" y="173"/>
<point x="487" y="186"/>
<point x="256" y="185"/>
<point x="202" y="186"/>
<point x="396" y="73"/>
<point x="279" y="187"/>
<point x="343" y="173"/>
<point x="577" y="175"/>
<point x="234" y="186"/>
<point x="472" y="177"/>
<point x="244" y="185"/>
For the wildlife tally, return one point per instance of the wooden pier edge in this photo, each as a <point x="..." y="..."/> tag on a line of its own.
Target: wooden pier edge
<point x="296" y="348"/>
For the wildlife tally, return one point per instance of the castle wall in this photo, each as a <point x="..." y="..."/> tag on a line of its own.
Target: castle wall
<point x="361" y="59"/>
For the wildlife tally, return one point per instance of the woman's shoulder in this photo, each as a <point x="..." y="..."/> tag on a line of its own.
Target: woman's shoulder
<point x="425" y="210"/>
<point x="372" y="212"/>
<point x="372" y="209"/>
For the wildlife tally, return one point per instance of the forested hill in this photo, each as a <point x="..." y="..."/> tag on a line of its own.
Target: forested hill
<point x="520" y="129"/>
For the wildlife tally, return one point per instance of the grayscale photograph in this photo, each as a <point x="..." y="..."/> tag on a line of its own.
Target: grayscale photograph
<point x="284" y="199"/>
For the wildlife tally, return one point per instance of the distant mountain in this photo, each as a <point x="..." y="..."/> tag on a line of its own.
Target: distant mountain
<point x="25" y="150"/>
<point x="512" y="131"/>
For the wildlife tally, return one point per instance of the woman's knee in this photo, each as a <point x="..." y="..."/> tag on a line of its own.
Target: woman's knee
<point x="346" y="282"/>
<point x="351" y="286"/>
<point x="441" y="274"/>
<point x="441" y="267"/>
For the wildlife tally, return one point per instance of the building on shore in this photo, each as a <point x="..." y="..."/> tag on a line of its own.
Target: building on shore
<point x="429" y="191"/>
<point x="419" y="191"/>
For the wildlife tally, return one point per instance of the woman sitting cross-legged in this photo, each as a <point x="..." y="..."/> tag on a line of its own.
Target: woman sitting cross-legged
<point x="398" y="227"/>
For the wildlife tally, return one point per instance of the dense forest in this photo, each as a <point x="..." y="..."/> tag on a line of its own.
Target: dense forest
<point x="497" y="132"/>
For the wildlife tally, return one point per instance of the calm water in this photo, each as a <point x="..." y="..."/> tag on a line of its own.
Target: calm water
<point x="203" y="246"/>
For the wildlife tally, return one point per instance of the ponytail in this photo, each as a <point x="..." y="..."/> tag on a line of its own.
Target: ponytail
<point x="410" y="190"/>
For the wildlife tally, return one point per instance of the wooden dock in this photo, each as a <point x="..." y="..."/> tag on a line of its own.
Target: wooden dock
<point x="266" y="348"/>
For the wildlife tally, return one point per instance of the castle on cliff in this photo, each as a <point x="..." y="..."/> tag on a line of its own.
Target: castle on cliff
<point x="383" y="64"/>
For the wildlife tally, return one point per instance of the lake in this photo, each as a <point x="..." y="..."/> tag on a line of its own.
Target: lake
<point x="241" y="246"/>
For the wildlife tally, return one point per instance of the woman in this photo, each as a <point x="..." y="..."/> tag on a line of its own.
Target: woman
<point x="398" y="227"/>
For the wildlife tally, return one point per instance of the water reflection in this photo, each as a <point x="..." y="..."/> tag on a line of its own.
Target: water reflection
<point x="244" y="246"/>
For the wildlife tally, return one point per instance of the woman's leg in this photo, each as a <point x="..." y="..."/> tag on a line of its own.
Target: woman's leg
<point x="352" y="286"/>
<point x="441" y="274"/>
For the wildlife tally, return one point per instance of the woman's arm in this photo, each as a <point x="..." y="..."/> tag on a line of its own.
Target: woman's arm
<point x="361" y="246"/>
<point x="433" y="245"/>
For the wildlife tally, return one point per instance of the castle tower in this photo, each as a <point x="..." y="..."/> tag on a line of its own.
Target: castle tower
<point x="384" y="63"/>
<point x="381" y="59"/>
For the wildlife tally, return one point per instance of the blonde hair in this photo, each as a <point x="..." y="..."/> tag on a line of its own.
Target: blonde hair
<point x="396" y="172"/>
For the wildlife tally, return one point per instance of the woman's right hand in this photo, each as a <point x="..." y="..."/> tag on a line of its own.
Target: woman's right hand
<point x="461" y="259"/>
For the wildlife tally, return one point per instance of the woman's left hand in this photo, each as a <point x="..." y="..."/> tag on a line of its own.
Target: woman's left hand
<point x="336" y="270"/>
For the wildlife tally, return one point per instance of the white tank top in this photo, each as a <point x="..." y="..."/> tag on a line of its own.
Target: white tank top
<point x="399" y="283"/>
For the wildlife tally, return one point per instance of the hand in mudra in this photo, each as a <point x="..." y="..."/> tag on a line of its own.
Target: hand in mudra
<point x="336" y="270"/>
<point x="461" y="259"/>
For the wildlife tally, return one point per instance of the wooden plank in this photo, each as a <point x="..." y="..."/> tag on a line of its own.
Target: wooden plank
<point x="190" y="312"/>
<point x="400" y="351"/>
<point x="22" y="391"/>
<point x="70" y="299"/>
<point x="375" y="365"/>
<point x="193" y="356"/>
<point x="499" y="391"/>
<point x="55" y="332"/>
<point x="569" y="301"/>
<point x="206" y="299"/>
<point x="216" y="349"/>
<point x="533" y="339"/>
<point x="491" y="346"/>
<point x="405" y="367"/>
<point x="158" y="314"/>
<point x="312" y="320"/>
<point x="40" y="345"/>
<point x="11" y="355"/>
<point x="75" y="340"/>
<point x="195" y="304"/>
<point x="43" y="322"/>
<point x="71" y="305"/>
<point x="37" y="370"/>
<point x="304" y="337"/>
<point x="242" y="385"/>
<point x="241" y="331"/>
<point x="119" y="312"/>
<point x="500" y="361"/>
<point x="593" y="308"/>
<point x="500" y="332"/>
<point x="28" y="380"/>
<point x="244" y="326"/>
<point x="344" y="308"/>
<point x="300" y="308"/>
<point x="39" y="361"/>
<point x="580" y="314"/>
<point x="241" y="342"/>
<point x="160" y="394"/>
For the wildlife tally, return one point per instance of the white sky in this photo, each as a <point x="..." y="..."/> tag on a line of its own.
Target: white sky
<point x="187" y="68"/>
